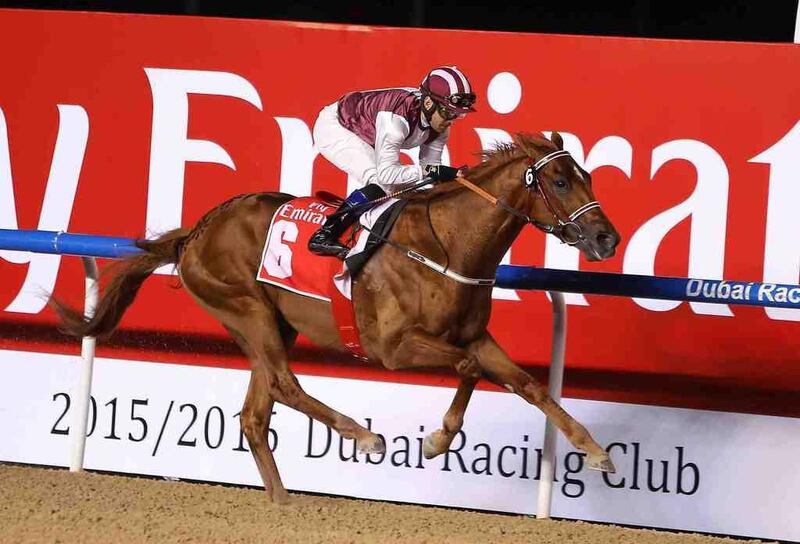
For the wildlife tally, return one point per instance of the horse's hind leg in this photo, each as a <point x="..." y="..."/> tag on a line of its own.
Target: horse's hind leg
<point x="257" y="330"/>
<point x="286" y="389"/>
<point x="255" y="417"/>
<point x="502" y="370"/>
<point x="257" y="409"/>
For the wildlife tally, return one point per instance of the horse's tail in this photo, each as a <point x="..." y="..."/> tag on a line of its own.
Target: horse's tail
<point x="128" y="276"/>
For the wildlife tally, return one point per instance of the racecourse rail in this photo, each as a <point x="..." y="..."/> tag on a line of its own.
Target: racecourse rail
<point x="89" y="247"/>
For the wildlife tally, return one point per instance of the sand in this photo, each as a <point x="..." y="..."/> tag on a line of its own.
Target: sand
<point x="54" y="505"/>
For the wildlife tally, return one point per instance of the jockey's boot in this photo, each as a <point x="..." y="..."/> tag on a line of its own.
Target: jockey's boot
<point x="326" y="240"/>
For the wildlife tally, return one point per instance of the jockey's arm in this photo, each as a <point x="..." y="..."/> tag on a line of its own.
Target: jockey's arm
<point x="391" y="130"/>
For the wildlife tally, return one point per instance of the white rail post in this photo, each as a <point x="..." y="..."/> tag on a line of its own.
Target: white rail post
<point x="797" y="24"/>
<point x="82" y="395"/>
<point x="555" y="381"/>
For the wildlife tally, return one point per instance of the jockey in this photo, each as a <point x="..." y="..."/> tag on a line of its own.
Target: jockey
<point x="363" y="132"/>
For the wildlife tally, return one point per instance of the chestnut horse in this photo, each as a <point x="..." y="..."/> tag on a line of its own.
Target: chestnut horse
<point x="408" y="315"/>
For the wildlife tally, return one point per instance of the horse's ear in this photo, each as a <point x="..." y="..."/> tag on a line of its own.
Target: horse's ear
<point x="555" y="137"/>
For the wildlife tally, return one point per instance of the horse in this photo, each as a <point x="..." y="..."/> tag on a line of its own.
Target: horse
<point x="408" y="315"/>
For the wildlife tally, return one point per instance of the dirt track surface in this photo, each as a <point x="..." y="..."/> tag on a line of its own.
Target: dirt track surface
<point x="47" y="505"/>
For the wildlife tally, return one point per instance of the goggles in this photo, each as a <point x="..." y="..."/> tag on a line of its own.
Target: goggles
<point x="448" y="114"/>
<point x="449" y="106"/>
<point x="461" y="100"/>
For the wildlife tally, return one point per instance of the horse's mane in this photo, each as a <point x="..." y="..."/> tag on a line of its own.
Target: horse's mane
<point x="491" y="160"/>
<point x="502" y="154"/>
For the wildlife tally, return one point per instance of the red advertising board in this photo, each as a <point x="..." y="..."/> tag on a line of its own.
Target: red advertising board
<point x="121" y="124"/>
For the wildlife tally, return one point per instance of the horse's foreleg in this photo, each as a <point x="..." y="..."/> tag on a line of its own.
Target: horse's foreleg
<point x="418" y="349"/>
<point x="439" y="441"/>
<point x="500" y="369"/>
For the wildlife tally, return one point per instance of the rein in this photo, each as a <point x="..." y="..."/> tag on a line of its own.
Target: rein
<point x="566" y="228"/>
<point x="500" y="204"/>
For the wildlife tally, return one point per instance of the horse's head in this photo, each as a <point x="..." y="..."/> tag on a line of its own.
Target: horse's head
<point x="560" y="199"/>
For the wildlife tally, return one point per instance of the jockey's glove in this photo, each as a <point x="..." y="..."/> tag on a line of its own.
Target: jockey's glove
<point x="440" y="172"/>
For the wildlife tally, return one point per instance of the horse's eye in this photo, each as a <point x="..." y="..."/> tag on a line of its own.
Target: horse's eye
<point x="560" y="183"/>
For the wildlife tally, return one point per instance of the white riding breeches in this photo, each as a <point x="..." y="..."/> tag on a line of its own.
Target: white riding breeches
<point x="344" y="148"/>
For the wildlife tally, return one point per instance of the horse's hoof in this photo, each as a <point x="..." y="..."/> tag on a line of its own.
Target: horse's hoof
<point x="429" y="449"/>
<point x="602" y="463"/>
<point x="375" y="444"/>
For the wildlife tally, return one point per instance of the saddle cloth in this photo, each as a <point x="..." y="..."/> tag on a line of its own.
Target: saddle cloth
<point x="286" y="261"/>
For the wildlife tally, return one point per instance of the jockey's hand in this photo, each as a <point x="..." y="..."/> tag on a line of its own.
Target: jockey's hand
<point x="440" y="172"/>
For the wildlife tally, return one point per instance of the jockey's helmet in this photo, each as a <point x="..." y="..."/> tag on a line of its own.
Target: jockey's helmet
<point x="449" y="87"/>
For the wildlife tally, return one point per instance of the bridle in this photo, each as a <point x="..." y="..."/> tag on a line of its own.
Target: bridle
<point x="566" y="227"/>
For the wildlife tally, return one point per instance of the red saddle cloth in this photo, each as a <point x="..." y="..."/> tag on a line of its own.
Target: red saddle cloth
<point x="287" y="263"/>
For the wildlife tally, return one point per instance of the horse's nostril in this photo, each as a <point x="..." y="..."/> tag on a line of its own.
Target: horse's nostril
<point x="606" y="240"/>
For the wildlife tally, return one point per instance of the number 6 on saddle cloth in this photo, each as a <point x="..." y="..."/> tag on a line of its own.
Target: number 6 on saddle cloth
<point x="288" y="260"/>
